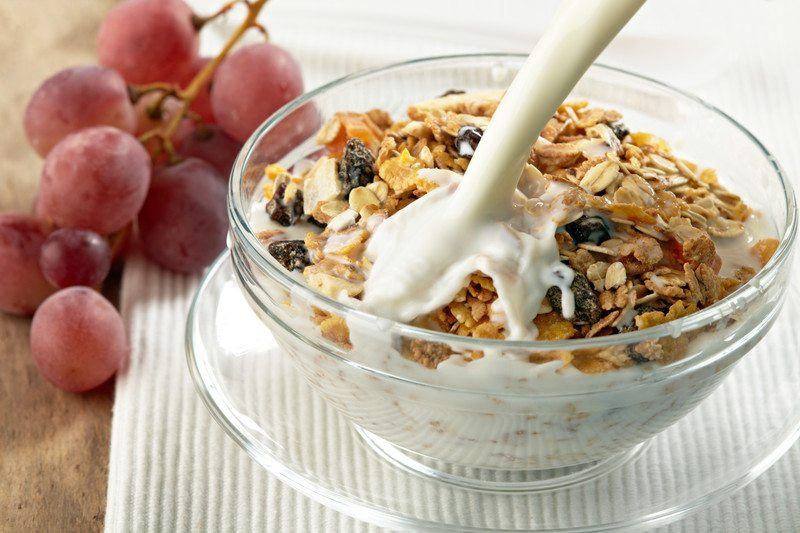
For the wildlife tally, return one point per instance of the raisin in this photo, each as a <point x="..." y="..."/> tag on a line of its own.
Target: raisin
<point x="466" y="142"/>
<point x="291" y="254"/>
<point x="357" y="167"/>
<point x="635" y="356"/>
<point x="587" y="303"/>
<point x="317" y="223"/>
<point x="588" y="229"/>
<point x="451" y="91"/>
<point x="283" y="212"/>
<point x="620" y="129"/>
<point x="653" y="306"/>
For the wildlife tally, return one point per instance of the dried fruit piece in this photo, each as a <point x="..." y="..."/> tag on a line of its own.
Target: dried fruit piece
<point x="344" y="126"/>
<point x="588" y="229"/>
<point x="426" y="353"/>
<point x="764" y="249"/>
<point x="400" y="173"/>
<point x="553" y="327"/>
<point x="644" y="352"/>
<point x="357" y="167"/>
<point x="335" y="328"/>
<point x="466" y="142"/>
<point x="286" y="205"/>
<point x="694" y="245"/>
<point x="333" y="278"/>
<point x="587" y="303"/>
<point x="292" y="254"/>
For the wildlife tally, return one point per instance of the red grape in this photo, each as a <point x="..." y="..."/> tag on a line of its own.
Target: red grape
<point x="95" y="179"/>
<point x="149" y="118"/>
<point x="22" y="286"/>
<point x="211" y="144"/>
<point x="183" y="223"/>
<point x="202" y="102"/>
<point x="74" y="99"/>
<point x="149" y="40"/>
<point x="75" y="257"/>
<point x="78" y="339"/>
<point x="251" y="84"/>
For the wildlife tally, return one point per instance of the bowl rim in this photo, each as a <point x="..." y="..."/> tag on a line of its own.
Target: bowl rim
<point x="240" y="227"/>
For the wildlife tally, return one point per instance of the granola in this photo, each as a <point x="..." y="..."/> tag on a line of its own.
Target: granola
<point x="642" y="240"/>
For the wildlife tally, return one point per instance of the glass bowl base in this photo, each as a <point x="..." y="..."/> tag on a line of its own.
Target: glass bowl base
<point x="253" y="391"/>
<point x="491" y="480"/>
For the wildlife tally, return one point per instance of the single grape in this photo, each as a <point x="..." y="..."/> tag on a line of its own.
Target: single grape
<point x="149" y="116"/>
<point x="183" y="223"/>
<point x="77" y="98"/>
<point x="211" y="144"/>
<point x="22" y="286"/>
<point x="75" y="257"/>
<point x="78" y="339"/>
<point x="251" y="84"/>
<point x="202" y="102"/>
<point x="149" y="40"/>
<point x="95" y="179"/>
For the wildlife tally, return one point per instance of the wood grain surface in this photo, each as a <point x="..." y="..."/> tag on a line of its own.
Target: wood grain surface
<point x="53" y="445"/>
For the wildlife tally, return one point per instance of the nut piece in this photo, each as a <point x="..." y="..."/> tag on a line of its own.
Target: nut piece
<point x="473" y="103"/>
<point x="380" y="189"/>
<point x="360" y="197"/>
<point x="326" y="211"/>
<point x="531" y="182"/>
<point x="596" y="273"/>
<point x="343" y="220"/>
<point x="600" y="176"/>
<point x="321" y="185"/>
<point x="615" y="276"/>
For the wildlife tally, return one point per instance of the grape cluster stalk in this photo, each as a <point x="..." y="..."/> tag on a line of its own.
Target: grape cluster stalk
<point x="187" y="96"/>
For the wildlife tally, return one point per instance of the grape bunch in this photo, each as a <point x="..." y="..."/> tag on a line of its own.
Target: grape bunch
<point x="136" y="148"/>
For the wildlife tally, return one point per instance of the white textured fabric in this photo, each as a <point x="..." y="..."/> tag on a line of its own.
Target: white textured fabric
<point x="173" y="469"/>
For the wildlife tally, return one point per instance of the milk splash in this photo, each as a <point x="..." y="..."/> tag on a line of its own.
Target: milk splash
<point x="424" y="254"/>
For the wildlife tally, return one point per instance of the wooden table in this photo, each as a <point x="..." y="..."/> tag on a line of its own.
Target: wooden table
<point x="53" y="445"/>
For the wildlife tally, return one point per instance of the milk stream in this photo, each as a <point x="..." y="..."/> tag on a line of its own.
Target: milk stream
<point x="423" y="255"/>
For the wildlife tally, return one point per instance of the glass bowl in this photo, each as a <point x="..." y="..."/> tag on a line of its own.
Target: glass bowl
<point x="499" y="414"/>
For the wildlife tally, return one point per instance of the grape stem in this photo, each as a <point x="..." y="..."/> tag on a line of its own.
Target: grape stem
<point x="200" y="21"/>
<point x="187" y="95"/>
